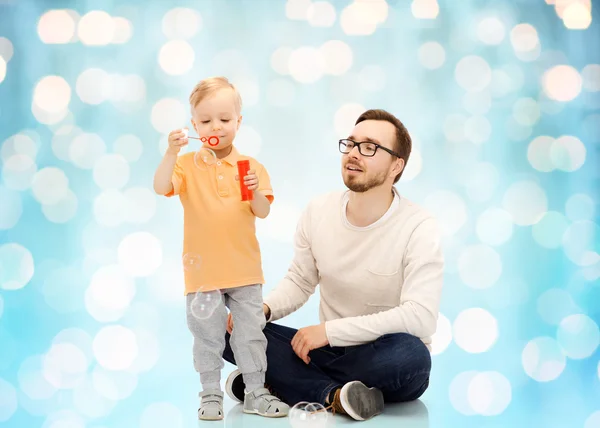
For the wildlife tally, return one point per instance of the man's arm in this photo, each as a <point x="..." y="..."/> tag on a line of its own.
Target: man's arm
<point x="302" y="276"/>
<point x="420" y="298"/>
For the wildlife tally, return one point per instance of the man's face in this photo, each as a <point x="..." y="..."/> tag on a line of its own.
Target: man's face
<point x="217" y="115"/>
<point x="362" y="173"/>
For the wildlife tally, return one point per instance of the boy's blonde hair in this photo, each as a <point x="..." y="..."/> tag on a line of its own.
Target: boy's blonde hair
<point x="210" y="86"/>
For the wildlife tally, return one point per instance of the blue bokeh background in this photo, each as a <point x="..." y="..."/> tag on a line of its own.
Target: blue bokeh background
<point x="503" y="102"/>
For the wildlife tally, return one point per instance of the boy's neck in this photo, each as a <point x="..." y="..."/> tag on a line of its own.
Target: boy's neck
<point x="223" y="152"/>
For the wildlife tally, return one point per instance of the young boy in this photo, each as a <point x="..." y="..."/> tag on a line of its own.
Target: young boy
<point x="219" y="230"/>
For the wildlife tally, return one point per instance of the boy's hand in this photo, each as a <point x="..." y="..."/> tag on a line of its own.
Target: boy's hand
<point x="250" y="180"/>
<point x="177" y="139"/>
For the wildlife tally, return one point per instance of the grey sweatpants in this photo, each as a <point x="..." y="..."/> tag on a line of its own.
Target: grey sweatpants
<point x="248" y="342"/>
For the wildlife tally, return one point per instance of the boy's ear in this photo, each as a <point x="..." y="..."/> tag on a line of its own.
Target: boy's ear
<point x="239" y="122"/>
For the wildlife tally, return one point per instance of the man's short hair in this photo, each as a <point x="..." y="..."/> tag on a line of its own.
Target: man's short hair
<point x="402" y="144"/>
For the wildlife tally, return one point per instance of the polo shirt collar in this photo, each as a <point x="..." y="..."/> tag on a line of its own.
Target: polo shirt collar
<point x="233" y="157"/>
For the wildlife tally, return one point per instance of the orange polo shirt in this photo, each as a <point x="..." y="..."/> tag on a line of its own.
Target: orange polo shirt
<point x="220" y="248"/>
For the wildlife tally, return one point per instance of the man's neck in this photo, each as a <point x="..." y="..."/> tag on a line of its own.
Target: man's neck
<point x="367" y="207"/>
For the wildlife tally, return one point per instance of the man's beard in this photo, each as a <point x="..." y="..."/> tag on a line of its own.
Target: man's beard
<point x="357" y="186"/>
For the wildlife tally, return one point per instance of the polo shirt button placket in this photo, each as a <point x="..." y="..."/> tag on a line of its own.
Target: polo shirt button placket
<point x="223" y="191"/>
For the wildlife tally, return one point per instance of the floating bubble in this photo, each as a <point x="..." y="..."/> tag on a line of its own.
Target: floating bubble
<point x="191" y="261"/>
<point x="309" y="415"/>
<point x="205" y="158"/>
<point x="204" y="303"/>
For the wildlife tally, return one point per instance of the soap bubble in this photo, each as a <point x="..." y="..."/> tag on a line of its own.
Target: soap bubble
<point x="204" y="303"/>
<point x="191" y="261"/>
<point x="205" y="158"/>
<point x="308" y="415"/>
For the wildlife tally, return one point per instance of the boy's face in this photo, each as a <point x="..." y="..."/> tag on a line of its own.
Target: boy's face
<point x="216" y="115"/>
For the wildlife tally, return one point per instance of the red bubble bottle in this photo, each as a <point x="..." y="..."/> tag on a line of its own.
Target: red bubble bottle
<point x="243" y="168"/>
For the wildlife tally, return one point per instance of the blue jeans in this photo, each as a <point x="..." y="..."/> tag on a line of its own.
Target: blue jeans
<point x="397" y="364"/>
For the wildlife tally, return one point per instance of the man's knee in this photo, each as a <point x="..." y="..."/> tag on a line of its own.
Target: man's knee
<point x="404" y="352"/>
<point x="407" y="363"/>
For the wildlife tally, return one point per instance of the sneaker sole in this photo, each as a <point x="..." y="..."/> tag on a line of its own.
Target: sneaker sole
<point x="360" y="402"/>
<point x="266" y="415"/>
<point x="205" y="418"/>
<point x="229" y="385"/>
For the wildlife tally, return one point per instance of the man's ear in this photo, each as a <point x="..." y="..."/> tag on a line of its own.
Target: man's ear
<point x="398" y="166"/>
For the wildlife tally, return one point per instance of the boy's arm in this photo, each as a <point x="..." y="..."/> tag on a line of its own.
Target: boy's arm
<point x="163" y="177"/>
<point x="261" y="206"/>
<point x="165" y="182"/>
<point x="263" y="196"/>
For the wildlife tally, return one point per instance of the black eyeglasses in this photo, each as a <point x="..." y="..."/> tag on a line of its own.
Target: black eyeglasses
<point x="365" y="148"/>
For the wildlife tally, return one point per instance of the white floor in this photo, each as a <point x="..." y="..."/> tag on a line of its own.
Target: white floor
<point x="401" y="415"/>
<point x="405" y="415"/>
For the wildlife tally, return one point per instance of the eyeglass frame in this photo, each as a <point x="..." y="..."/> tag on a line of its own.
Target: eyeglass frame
<point x="367" y="141"/>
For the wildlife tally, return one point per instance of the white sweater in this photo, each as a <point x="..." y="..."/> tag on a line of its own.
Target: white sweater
<point x="375" y="280"/>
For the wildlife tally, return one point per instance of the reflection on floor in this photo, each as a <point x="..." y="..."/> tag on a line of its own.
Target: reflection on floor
<point x="404" y="415"/>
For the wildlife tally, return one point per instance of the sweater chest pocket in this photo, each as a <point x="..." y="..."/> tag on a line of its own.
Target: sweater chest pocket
<point x="384" y="284"/>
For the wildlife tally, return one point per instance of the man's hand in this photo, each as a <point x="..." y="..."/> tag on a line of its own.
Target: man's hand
<point x="307" y="339"/>
<point x="266" y="311"/>
<point x="229" y="323"/>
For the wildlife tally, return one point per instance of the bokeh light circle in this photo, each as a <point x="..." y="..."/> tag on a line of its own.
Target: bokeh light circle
<point x="562" y="83"/>
<point x="114" y="337"/>
<point x="176" y="57"/>
<point x="8" y="404"/>
<point x="479" y="266"/>
<point x="16" y="266"/>
<point x="475" y="330"/>
<point x="494" y="226"/>
<point x="443" y="335"/>
<point x="580" y="207"/>
<point x="581" y="243"/>
<point x="549" y="231"/>
<point x="578" y="335"/>
<point x="526" y="202"/>
<point x="556" y="304"/>
<point x="473" y="73"/>
<point x="140" y="254"/>
<point x="489" y="393"/>
<point x="543" y="359"/>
